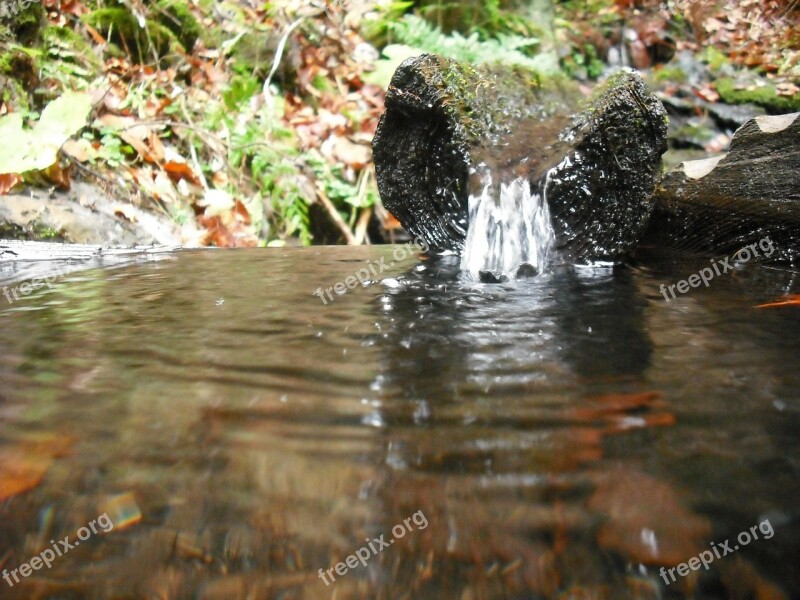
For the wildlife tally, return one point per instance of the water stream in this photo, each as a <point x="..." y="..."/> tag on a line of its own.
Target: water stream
<point x="510" y="234"/>
<point x="563" y="436"/>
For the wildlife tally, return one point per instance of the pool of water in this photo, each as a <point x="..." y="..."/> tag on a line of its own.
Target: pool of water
<point x="565" y="436"/>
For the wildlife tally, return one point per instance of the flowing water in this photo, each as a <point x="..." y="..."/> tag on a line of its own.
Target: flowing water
<point x="563" y="436"/>
<point x="510" y="234"/>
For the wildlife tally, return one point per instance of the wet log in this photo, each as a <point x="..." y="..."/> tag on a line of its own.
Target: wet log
<point x="446" y="123"/>
<point x="723" y="204"/>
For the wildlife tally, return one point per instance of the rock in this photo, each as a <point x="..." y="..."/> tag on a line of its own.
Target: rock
<point x="445" y="120"/>
<point x="95" y="219"/>
<point x="723" y="204"/>
<point x="736" y="115"/>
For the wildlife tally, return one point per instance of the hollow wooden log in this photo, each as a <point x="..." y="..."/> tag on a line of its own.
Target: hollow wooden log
<point x="446" y="123"/>
<point x="720" y="205"/>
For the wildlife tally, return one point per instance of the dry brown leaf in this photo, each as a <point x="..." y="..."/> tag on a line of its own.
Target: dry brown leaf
<point x="79" y="149"/>
<point x="58" y="176"/>
<point x="353" y="155"/>
<point x="156" y="146"/>
<point x="8" y="181"/>
<point x="24" y="465"/>
<point x="793" y="300"/>
<point x="240" y="210"/>
<point x="181" y="170"/>
<point x="155" y="183"/>
<point x="656" y="529"/>
<point x="787" y="89"/>
<point x="137" y="144"/>
<point x="20" y="471"/>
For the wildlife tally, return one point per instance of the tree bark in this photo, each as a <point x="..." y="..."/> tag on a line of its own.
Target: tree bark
<point x="445" y="121"/>
<point x="722" y="204"/>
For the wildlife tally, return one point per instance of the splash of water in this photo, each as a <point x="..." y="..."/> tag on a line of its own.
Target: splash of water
<point x="510" y="233"/>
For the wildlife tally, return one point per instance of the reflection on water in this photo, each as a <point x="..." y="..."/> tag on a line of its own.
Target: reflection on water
<point x="564" y="436"/>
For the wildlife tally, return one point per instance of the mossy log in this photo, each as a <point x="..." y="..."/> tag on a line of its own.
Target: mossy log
<point x="597" y="169"/>
<point x="720" y="205"/>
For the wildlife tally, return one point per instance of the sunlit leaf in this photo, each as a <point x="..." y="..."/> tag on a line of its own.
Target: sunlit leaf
<point x="62" y="118"/>
<point x="37" y="149"/>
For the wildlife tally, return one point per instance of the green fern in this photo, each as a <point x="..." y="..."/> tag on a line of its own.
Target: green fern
<point x="509" y="49"/>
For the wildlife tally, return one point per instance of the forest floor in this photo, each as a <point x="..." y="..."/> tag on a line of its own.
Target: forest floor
<point x="244" y="124"/>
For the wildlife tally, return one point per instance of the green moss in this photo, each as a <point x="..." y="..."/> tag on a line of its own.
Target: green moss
<point x="714" y="58"/>
<point x="14" y="94"/>
<point x="252" y="53"/>
<point x="6" y="36"/>
<point x="34" y="232"/>
<point x="123" y="28"/>
<point x="765" y="96"/>
<point x="18" y="76"/>
<point x="697" y="133"/>
<point x="670" y="74"/>
<point x="176" y="16"/>
<point x="27" y="24"/>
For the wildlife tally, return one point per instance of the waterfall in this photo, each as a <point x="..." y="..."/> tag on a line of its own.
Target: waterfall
<point x="510" y="233"/>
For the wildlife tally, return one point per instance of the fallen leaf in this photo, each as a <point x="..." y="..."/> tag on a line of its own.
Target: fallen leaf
<point x="216" y="202"/>
<point x="20" y="471"/>
<point x="787" y="89"/>
<point x="793" y="300"/>
<point x="80" y="150"/>
<point x="156" y="146"/>
<point x="353" y="155"/>
<point x="240" y="210"/>
<point x="8" y="181"/>
<point x="708" y="94"/>
<point x="216" y="234"/>
<point x="137" y="144"/>
<point x="646" y="520"/>
<point x="181" y="170"/>
<point x="24" y="465"/>
<point x="58" y="176"/>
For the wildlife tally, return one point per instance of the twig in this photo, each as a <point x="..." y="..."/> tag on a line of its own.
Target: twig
<point x="361" y="226"/>
<point x="192" y="150"/>
<point x="278" y="56"/>
<point x="337" y="218"/>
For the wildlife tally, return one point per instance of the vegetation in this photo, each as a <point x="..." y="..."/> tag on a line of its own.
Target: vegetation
<point x="253" y="126"/>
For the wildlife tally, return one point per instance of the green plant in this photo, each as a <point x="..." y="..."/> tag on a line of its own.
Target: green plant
<point x="377" y="24"/>
<point x="487" y="18"/>
<point x="511" y="49"/>
<point x="111" y="150"/>
<point x="584" y="61"/>
<point x="269" y="150"/>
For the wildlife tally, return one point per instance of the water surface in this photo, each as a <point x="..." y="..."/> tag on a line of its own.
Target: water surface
<point x="563" y="436"/>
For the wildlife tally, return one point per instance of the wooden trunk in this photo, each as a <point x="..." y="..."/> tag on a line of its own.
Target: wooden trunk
<point x="596" y="162"/>
<point x="723" y="204"/>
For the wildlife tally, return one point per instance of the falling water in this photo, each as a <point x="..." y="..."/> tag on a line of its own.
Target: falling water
<point x="510" y="233"/>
